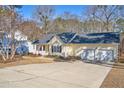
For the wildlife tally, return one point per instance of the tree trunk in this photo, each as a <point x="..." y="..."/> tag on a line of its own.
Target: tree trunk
<point x="107" y="25"/>
<point x="13" y="54"/>
<point x="4" y="58"/>
<point x="13" y="50"/>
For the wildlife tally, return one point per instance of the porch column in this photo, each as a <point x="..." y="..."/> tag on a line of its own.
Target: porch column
<point x="38" y="48"/>
<point x="50" y="52"/>
<point x="42" y="48"/>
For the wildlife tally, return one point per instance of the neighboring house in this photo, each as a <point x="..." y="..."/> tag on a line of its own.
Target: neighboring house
<point x="31" y="47"/>
<point x="24" y="42"/>
<point x="93" y="46"/>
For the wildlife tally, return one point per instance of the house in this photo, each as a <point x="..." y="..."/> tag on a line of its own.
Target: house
<point x="93" y="46"/>
<point x="23" y="41"/>
<point x="24" y="35"/>
<point x="23" y="45"/>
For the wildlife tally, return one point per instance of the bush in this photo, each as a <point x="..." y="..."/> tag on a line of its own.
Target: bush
<point x="22" y="50"/>
<point x="63" y="59"/>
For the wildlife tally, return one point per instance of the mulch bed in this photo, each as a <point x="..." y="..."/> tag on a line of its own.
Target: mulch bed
<point x="115" y="78"/>
<point x="68" y="59"/>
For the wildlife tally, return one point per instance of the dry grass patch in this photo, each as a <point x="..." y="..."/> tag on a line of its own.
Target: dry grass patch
<point x="27" y="60"/>
<point x="115" y="78"/>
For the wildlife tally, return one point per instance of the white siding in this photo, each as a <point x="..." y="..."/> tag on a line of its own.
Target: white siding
<point x="31" y="47"/>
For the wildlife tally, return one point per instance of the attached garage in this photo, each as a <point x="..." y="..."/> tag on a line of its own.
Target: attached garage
<point x="103" y="55"/>
<point x="97" y="46"/>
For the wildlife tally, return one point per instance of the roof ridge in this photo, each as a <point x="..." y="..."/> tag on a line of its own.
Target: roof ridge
<point x="72" y="37"/>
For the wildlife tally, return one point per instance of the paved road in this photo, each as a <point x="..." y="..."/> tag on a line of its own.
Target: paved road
<point x="60" y="74"/>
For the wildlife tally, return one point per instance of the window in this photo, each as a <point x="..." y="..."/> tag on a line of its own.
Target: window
<point x="56" y="49"/>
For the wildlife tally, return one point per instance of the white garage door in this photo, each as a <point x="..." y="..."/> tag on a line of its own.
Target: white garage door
<point x="105" y="55"/>
<point x="87" y="54"/>
<point x="98" y="55"/>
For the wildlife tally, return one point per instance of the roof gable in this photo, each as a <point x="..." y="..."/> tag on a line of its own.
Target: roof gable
<point x="66" y="37"/>
<point x="55" y="40"/>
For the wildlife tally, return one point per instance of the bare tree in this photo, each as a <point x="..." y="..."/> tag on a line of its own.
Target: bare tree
<point x="31" y="30"/>
<point x="107" y="15"/>
<point x="44" y="15"/>
<point x="9" y="23"/>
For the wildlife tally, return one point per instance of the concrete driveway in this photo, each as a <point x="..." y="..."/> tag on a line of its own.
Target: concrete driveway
<point x="59" y="74"/>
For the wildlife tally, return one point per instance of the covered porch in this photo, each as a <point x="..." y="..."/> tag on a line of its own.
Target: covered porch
<point x="47" y="49"/>
<point x="43" y="49"/>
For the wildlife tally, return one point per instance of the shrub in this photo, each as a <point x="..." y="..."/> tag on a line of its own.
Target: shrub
<point x="22" y="50"/>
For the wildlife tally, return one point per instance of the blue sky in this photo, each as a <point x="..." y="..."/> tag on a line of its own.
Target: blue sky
<point x="76" y="9"/>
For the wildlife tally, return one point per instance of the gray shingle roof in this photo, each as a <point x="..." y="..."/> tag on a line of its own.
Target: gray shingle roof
<point x="109" y="37"/>
<point x="69" y="37"/>
<point x="44" y="39"/>
<point x="66" y="37"/>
